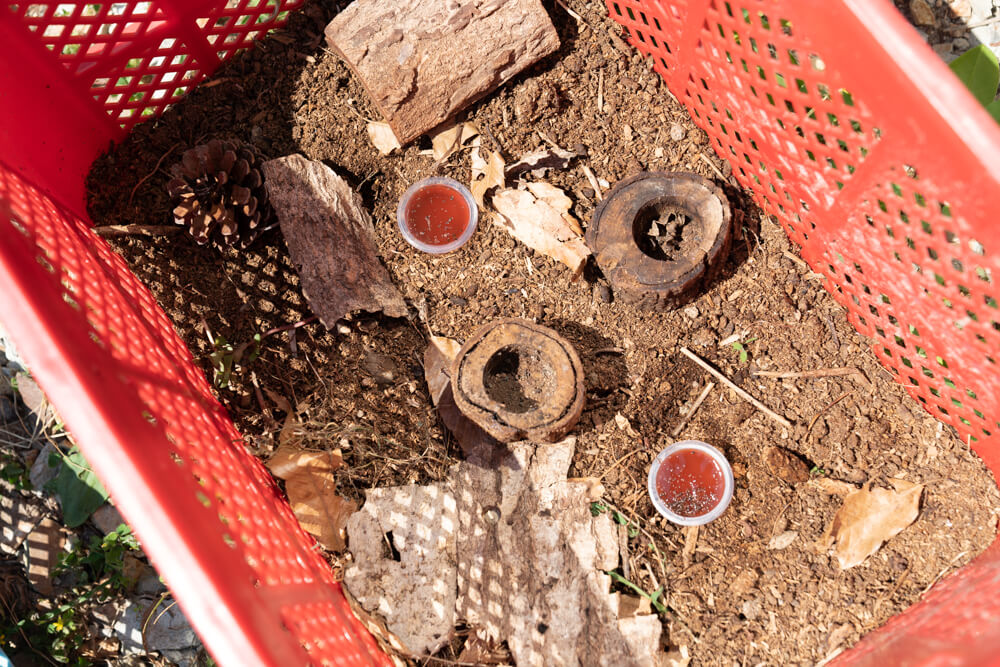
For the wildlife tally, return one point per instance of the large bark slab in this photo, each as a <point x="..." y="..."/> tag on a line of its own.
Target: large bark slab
<point x="331" y="240"/>
<point x="421" y="62"/>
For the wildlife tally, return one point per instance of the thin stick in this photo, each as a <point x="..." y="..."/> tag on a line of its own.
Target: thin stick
<point x="712" y="165"/>
<point x="694" y="409"/>
<point x="600" y="91"/>
<point x="732" y="385"/>
<point x="576" y="17"/>
<point x="616" y="463"/>
<point x="820" y="413"/>
<point x="593" y="181"/>
<point x="133" y="230"/>
<point x="797" y="260"/>
<point x="150" y="174"/>
<point x="818" y="373"/>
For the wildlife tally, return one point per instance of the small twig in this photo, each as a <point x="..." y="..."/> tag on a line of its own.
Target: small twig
<point x="616" y="463"/>
<point x="732" y="385"/>
<point x="795" y="259"/>
<point x="899" y="582"/>
<point x="149" y="615"/>
<point x="600" y="91"/>
<point x="150" y="174"/>
<point x="694" y="409"/>
<point x="609" y="350"/>
<point x="712" y="165"/>
<point x="818" y="373"/>
<point x="576" y="17"/>
<point x="941" y="574"/>
<point x="593" y="181"/>
<point x="296" y="325"/>
<point x="133" y="230"/>
<point x="820" y="413"/>
<point x="690" y="543"/>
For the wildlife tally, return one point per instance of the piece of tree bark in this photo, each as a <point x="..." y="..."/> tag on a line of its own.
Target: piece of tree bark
<point x="422" y="62"/>
<point x="331" y="240"/>
<point x="518" y="543"/>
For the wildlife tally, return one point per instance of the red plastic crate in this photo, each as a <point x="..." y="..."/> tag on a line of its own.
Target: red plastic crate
<point x="845" y="126"/>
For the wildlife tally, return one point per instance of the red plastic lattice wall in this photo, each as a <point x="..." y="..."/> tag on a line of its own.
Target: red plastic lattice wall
<point x="843" y="124"/>
<point x="854" y="136"/>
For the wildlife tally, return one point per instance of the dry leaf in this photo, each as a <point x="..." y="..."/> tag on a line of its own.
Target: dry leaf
<point x="785" y="465"/>
<point x="539" y="225"/>
<point x="541" y="161"/>
<point x="782" y="541"/>
<point x="744" y="582"/>
<point x="450" y="139"/>
<point x="832" y="487"/>
<point x="311" y="486"/>
<point x="382" y="137"/>
<point x="487" y="173"/>
<point x="558" y="200"/>
<point x="838" y="636"/>
<point x="387" y="641"/>
<point x="868" y="518"/>
<point x="437" y="364"/>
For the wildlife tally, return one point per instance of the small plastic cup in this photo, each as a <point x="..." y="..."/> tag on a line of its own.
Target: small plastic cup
<point x="691" y="483"/>
<point x="437" y="215"/>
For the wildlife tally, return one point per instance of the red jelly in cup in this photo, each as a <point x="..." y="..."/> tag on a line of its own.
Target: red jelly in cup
<point x="437" y="215"/>
<point x="691" y="483"/>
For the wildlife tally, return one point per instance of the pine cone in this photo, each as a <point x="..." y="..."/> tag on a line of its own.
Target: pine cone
<point x="14" y="590"/>
<point x="218" y="194"/>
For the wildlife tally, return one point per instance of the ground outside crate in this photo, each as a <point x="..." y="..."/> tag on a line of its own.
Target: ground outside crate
<point x="765" y="311"/>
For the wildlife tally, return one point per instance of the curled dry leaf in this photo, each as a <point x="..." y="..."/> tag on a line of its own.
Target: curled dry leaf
<point x="450" y="139"/>
<point x="541" y="161"/>
<point x="869" y="517"/>
<point x="311" y="485"/>
<point x="786" y="465"/>
<point x="487" y="173"/>
<point x="540" y="219"/>
<point x="382" y="137"/>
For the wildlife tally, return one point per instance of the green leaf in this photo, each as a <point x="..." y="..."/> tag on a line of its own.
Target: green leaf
<point x="994" y="109"/>
<point x="596" y="509"/>
<point x="979" y="70"/>
<point x="79" y="490"/>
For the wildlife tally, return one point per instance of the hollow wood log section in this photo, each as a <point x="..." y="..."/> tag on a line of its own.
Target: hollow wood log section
<point x="422" y="62"/>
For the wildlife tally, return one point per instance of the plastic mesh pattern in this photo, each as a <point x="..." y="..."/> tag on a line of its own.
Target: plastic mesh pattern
<point x="179" y="468"/>
<point x="136" y="58"/>
<point x="887" y="199"/>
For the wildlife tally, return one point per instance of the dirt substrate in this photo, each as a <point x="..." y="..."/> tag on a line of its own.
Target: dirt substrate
<point x="735" y="601"/>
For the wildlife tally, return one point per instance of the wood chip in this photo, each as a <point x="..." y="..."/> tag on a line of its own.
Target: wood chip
<point x="331" y="240"/>
<point x="422" y="62"/>
<point x="382" y="137"/>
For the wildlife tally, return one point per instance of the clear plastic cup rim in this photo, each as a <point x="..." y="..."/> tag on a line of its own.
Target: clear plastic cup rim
<point x="727" y="475"/>
<point x="470" y="228"/>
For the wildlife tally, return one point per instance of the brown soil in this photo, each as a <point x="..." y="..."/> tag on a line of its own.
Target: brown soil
<point x="361" y="388"/>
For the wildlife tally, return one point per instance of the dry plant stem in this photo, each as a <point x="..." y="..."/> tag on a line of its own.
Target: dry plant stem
<point x="795" y="259"/>
<point x="150" y="174"/>
<point x="694" y="409"/>
<point x="821" y="412"/>
<point x="617" y="463"/>
<point x="712" y="165"/>
<point x="109" y="231"/>
<point x="600" y="91"/>
<point x="652" y="541"/>
<point x="576" y="17"/>
<point x="593" y="181"/>
<point x="732" y="385"/>
<point x="818" y="373"/>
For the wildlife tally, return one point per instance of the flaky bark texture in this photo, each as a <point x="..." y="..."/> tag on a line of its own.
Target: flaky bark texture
<point x="513" y="548"/>
<point x="331" y="240"/>
<point x="421" y="62"/>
